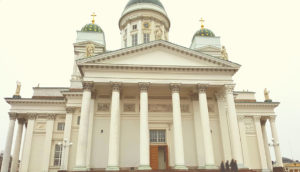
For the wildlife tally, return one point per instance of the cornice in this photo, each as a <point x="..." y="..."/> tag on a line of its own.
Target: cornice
<point x="33" y="101"/>
<point x="159" y="43"/>
<point x="257" y="104"/>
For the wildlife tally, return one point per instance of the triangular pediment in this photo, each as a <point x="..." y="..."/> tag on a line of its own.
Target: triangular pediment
<point x="157" y="53"/>
<point x="209" y="48"/>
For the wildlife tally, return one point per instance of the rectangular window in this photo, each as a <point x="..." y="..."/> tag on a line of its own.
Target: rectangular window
<point x="134" y="27"/>
<point x="57" y="154"/>
<point x="134" y="39"/>
<point x="146" y="37"/>
<point x="157" y="136"/>
<point x="61" y="126"/>
<point x="125" y="43"/>
<point x="78" y="120"/>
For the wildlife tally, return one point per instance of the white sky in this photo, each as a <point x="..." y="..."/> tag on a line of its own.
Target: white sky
<point x="36" y="40"/>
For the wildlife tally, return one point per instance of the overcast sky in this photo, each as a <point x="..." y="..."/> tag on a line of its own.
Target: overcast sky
<point x="263" y="36"/>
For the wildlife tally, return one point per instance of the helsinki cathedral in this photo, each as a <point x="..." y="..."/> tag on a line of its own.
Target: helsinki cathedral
<point x="150" y="105"/>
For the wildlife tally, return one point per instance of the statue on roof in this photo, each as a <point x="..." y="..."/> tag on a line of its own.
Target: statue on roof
<point x="90" y="49"/>
<point x="224" y="53"/>
<point x="18" y="90"/>
<point x="267" y="95"/>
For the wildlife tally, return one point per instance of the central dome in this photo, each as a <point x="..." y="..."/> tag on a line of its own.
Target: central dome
<point x="155" y="2"/>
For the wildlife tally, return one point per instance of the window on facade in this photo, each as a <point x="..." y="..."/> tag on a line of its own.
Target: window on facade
<point x="134" y="27"/>
<point x="78" y="120"/>
<point x="125" y="43"/>
<point x="60" y="126"/>
<point x="157" y="136"/>
<point x="57" y="154"/>
<point x="146" y="37"/>
<point x="134" y="39"/>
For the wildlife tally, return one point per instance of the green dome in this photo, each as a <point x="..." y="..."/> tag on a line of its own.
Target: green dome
<point x="156" y="2"/>
<point x="91" y="28"/>
<point x="204" y="32"/>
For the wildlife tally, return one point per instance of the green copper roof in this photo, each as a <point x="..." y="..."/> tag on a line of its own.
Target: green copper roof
<point x="204" y="32"/>
<point x="91" y="28"/>
<point x="156" y="2"/>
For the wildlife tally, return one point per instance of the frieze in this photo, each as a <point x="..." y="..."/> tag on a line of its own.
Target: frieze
<point x="103" y="107"/>
<point x="160" y="107"/>
<point x="129" y="108"/>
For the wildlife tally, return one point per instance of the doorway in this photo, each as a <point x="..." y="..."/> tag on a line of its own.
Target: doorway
<point x="159" y="157"/>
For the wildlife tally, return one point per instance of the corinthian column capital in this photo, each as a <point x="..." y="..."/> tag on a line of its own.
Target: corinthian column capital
<point x="202" y="88"/>
<point x="116" y="86"/>
<point x="21" y="120"/>
<point x="32" y="116"/>
<point x="88" y="85"/>
<point x="51" y="116"/>
<point x="229" y="88"/>
<point x="70" y="109"/>
<point x="256" y="118"/>
<point x="272" y="118"/>
<point x="175" y="87"/>
<point x="12" y="115"/>
<point x="144" y="86"/>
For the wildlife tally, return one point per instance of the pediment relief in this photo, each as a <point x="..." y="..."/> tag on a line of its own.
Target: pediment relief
<point x="157" y="53"/>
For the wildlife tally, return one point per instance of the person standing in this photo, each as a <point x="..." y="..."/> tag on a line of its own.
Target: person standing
<point x="235" y="166"/>
<point x="222" y="167"/>
<point x="232" y="165"/>
<point x="227" y="166"/>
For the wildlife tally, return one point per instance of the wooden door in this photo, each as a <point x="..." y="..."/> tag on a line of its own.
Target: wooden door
<point x="154" y="157"/>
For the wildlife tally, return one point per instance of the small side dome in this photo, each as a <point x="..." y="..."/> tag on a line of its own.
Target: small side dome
<point x="204" y="32"/>
<point x="156" y="2"/>
<point x="91" y="28"/>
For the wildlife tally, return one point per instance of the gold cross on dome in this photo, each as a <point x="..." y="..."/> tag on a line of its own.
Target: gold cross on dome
<point x="202" y="22"/>
<point x="93" y="15"/>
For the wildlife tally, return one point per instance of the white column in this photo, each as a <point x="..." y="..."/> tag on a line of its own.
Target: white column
<point x="260" y="142"/>
<point x="236" y="147"/>
<point x="266" y="145"/>
<point x="27" y="143"/>
<point x="9" y="139"/>
<point x="144" y="129"/>
<point x="114" y="133"/>
<point x="243" y="139"/>
<point x="67" y="137"/>
<point x="220" y="96"/>
<point x="140" y="32"/>
<point x="48" y="142"/>
<point x="207" y="138"/>
<point x="198" y="132"/>
<point x="90" y="131"/>
<point x="15" y="159"/>
<point x="178" y="138"/>
<point x="80" y="163"/>
<point x="276" y="141"/>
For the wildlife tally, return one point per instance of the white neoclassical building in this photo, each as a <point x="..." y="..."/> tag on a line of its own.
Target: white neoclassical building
<point x="150" y="105"/>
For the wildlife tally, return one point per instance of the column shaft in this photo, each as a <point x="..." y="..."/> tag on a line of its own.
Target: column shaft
<point x="83" y="127"/>
<point x="198" y="132"/>
<point x="243" y="139"/>
<point x="144" y="129"/>
<point x="233" y="127"/>
<point x="27" y="144"/>
<point x="114" y="133"/>
<point x="267" y="150"/>
<point x="90" y="132"/>
<point x="260" y="142"/>
<point x="48" y="142"/>
<point x="224" y="126"/>
<point x="67" y="137"/>
<point x="276" y="142"/>
<point x="207" y="138"/>
<point x="9" y="139"/>
<point x="177" y="124"/>
<point x="15" y="159"/>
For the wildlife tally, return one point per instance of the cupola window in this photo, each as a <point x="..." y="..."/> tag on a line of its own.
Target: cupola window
<point x="146" y="37"/>
<point x="134" y="39"/>
<point x="134" y="27"/>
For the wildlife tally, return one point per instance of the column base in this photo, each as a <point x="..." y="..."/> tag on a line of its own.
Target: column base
<point x="144" y="167"/>
<point x="265" y="170"/>
<point x="80" y="168"/>
<point x="201" y="168"/>
<point x="210" y="166"/>
<point x="180" y="167"/>
<point x="242" y="166"/>
<point x="112" y="168"/>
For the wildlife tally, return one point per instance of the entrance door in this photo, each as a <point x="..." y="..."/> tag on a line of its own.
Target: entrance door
<point x="159" y="157"/>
